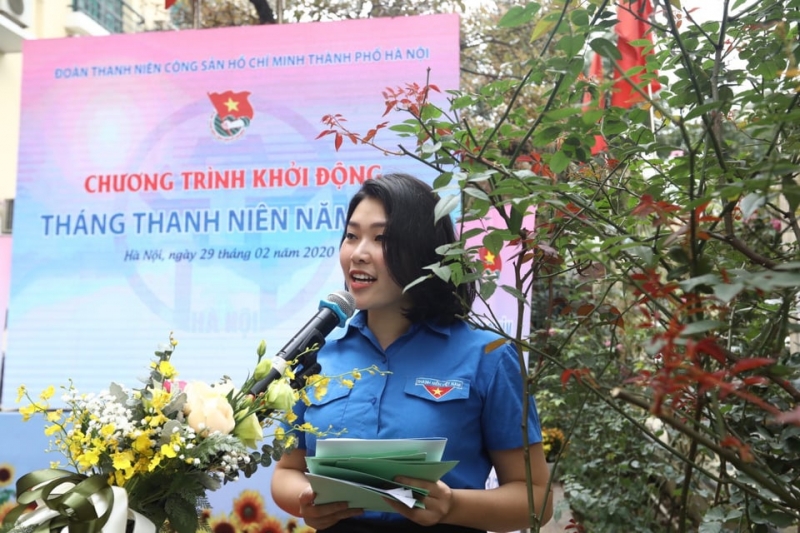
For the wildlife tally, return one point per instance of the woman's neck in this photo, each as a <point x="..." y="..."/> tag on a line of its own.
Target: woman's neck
<point x="387" y="325"/>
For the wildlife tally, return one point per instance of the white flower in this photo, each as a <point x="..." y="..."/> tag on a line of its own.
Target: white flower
<point x="207" y="409"/>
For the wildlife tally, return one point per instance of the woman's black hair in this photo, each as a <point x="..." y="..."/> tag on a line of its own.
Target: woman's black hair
<point x="410" y="242"/>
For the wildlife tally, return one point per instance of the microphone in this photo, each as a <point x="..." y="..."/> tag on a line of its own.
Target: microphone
<point x="333" y="311"/>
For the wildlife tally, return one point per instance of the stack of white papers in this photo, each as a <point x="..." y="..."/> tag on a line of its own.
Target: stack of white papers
<point x="362" y="471"/>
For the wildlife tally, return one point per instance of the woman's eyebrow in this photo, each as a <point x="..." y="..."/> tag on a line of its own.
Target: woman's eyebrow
<point x="373" y="225"/>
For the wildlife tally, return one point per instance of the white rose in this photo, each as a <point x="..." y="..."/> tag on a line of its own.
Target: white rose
<point x="207" y="410"/>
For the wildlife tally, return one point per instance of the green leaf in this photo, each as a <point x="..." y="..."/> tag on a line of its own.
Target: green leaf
<point x="559" y="161"/>
<point x="443" y="272"/>
<point x="445" y="206"/>
<point x="475" y="192"/>
<point x="546" y="136"/>
<point x="519" y="15"/>
<point x="493" y="242"/>
<point x="545" y="25"/>
<point x="579" y="17"/>
<point x="699" y="110"/>
<point x="706" y="279"/>
<point x="728" y="291"/>
<point x="592" y="116"/>
<point x="513" y="291"/>
<point x="605" y="48"/>
<point x="571" y="44"/>
<point x="416" y="282"/>
<point x="791" y="191"/>
<point x="404" y="128"/>
<point x="751" y="203"/>
<point x="701" y="327"/>
<point x="564" y="112"/>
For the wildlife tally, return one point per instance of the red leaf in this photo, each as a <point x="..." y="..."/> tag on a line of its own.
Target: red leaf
<point x="337" y="143"/>
<point x="749" y="364"/>
<point x="573" y="372"/>
<point x="710" y="347"/>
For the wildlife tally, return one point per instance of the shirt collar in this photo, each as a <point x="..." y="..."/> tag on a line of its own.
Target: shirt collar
<point x="359" y="322"/>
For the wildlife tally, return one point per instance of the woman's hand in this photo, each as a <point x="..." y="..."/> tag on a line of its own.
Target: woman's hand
<point x="438" y="502"/>
<point x="325" y="515"/>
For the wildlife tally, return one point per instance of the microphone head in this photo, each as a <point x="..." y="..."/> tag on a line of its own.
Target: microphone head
<point x="343" y="300"/>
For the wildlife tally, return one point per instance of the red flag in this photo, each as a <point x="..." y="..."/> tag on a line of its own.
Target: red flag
<point x="231" y="104"/>
<point x="633" y="25"/>
<point x="596" y="74"/>
<point x="169" y="3"/>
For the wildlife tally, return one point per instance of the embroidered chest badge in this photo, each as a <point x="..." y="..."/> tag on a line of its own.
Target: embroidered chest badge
<point x="438" y="388"/>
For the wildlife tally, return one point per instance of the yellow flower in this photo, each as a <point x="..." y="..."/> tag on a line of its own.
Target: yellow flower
<point x="160" y="399"/>
<point x="356" y="374"/>
<point x="52" y="430"/>
<point x="166" y="369"/>
<point x="123" y="460"/>
<point x="55" y="416"/>
<point x="27" y="411"/>
<point x="156" y="420"/>
<point x="142" y="444"/>
<point x="154" y="462"/>
<point x="348" y="383"/>
<point x="88" y="459"/>
<point x="167" y="450"/>
<point x="320" y="385"/>
<point x="304" y="397"/>
<point x="107" y="430"/>
<point x="47" y="393"/>
<point x="21" y="392"/>
<point x="280" y="434"/>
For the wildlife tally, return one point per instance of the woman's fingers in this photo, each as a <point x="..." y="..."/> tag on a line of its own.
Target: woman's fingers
<point x="324" y="515"/>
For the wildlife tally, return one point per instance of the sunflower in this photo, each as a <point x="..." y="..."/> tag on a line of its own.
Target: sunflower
<point x="6" y="474"/>
<point x="293" y="527"/>
<point x="248" y="508"/>
<point x="5" y="509"/>
<point x="221" y="524"/>
<point x="269" y="524"/>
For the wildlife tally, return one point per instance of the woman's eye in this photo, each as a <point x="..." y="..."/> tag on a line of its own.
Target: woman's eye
<point x="380" y="238"/>
<point x="349" y="236"/>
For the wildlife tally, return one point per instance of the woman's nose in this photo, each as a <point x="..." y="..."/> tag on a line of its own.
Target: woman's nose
<point x="361" y="252"/>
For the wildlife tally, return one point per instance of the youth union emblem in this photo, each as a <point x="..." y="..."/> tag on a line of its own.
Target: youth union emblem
<point x="233" y="114"/>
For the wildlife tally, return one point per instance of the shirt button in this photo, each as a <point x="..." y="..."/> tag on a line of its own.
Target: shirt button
<point x="372" y="401"/>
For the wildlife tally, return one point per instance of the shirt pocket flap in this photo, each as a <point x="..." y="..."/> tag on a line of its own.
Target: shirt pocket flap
<point x="438" y="390"/>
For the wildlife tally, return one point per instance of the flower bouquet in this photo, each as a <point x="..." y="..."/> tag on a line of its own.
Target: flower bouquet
<point x="145" y="458"/>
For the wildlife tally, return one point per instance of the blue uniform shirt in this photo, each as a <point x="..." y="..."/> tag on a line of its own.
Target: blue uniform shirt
<point x="442" y="383"/>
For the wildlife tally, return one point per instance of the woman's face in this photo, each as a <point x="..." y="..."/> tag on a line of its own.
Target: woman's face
<point x="363" y="265"/>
